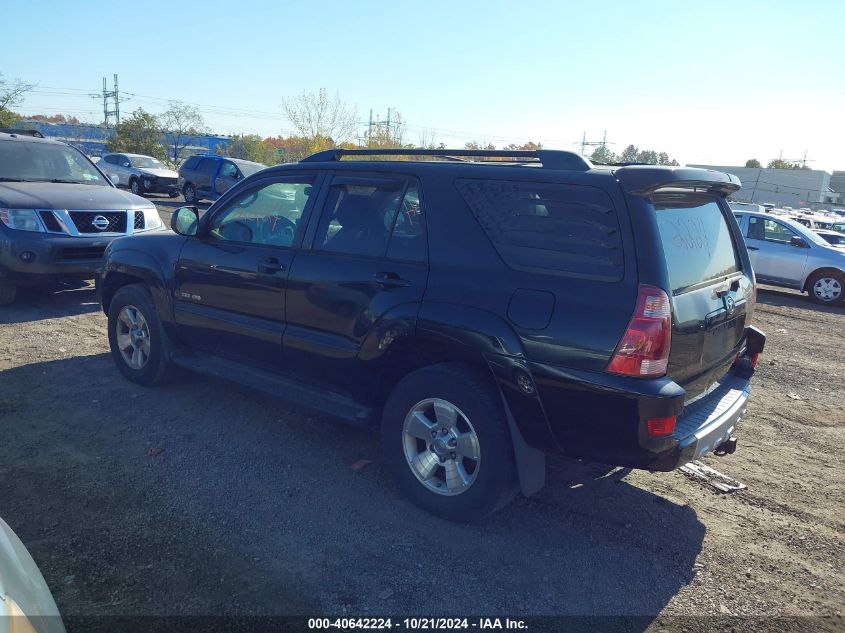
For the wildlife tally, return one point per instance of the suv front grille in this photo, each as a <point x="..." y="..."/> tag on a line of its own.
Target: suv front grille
<point x="85" y="221"/>
<point x="139" y="220"/>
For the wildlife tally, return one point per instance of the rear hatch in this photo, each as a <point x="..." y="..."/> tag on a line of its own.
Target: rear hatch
<point x="710" y="293"/>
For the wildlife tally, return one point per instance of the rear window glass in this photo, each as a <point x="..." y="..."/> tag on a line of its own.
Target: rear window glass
<point x="549" y="227"/>
<point x="696" y="239"/>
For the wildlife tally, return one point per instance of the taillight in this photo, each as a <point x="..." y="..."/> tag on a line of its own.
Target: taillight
<point x="644" y="348"/>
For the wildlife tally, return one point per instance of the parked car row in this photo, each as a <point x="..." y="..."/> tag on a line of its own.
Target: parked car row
<point x="200" y="177"/>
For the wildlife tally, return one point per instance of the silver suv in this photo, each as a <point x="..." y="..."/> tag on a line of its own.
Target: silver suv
<point x="141" y="174"/>
<point x="788" y="254"/>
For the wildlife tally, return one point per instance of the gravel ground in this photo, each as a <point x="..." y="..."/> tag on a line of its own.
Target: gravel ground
<point x="202" y="498"/>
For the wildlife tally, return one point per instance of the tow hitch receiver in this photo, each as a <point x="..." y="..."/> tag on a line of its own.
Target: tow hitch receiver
<point x="728" y="447"/>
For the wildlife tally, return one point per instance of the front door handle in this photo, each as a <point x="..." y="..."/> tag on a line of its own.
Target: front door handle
<point x="390" y="280"/>
<point x="270" y="265"/>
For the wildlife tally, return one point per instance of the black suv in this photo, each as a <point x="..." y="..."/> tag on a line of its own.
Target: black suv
<point x="58" y="212"/>
<point x="484" y="312"/>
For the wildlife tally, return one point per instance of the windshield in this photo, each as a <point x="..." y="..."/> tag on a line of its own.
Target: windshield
<point x="46" y="162"/>
<point x="803" y="231"/>
<point x="248" y="169"/>
<point x="146" y="161"/>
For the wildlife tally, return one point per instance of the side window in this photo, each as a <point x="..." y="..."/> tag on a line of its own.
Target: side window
<point x="207" y="166"/>
<point x="365" y="217"/>
<point x="228" y="169"/>
<point x="547" y="227"/>
<point x="769" y="230"/>
<point x="191" y="163"/>
<point x="407" y="240"/>
<point x="269" y="215"/>
<point x="111" y="159"/>
<point x="124" y="161"/>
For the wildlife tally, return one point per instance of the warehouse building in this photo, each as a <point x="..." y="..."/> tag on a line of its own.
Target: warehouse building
<point x="784" y="187"/>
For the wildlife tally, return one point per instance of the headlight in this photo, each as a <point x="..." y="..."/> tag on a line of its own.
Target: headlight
<point x="21" y="219"/>
<point x="151" y="219"/>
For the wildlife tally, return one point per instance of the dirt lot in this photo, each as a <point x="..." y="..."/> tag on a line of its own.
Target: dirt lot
<point x="200" y="498"/>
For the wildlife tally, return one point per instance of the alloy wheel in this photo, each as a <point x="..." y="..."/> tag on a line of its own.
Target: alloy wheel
<point x="441" y="446"/>
<point x="133" y="337"/>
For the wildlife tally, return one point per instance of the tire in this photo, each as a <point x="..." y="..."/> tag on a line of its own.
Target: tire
<point x="827" y="288"/>
<point x="136" y="186"/>
<point x="136" y="299"/>
<point x="7" y="294"/>
<point x="482" y="485"/>
<point x="172" y="193"/>
<point x="189" y="192"/>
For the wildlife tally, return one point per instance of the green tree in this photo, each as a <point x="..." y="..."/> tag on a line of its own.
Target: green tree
<point x="603" y="155"/>
<point x="180" y="121"/>
<point x="11" y="94"/>
<point x="779" y="163"/>
<point x="753" y="162"/>
<point x="252" y="147"/>
<point x="629" y="155"/>
<point x="139" y="134"/>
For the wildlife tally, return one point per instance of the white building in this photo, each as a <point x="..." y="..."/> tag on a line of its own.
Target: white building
<point x="782" y="187"/>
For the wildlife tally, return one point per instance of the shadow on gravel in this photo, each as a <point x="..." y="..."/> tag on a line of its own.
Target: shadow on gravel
<point x="198" y="498"/>
<point x="51" y="301"/>
<point x="771" y="296"/>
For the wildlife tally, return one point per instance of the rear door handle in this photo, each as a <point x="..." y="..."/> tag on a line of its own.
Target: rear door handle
<point x="270" y="265"/>
<point x="390" y="280"/>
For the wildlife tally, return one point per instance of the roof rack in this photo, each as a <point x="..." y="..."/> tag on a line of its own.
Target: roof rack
<point x="11" y="130"/>
<point x="547" y="158"/>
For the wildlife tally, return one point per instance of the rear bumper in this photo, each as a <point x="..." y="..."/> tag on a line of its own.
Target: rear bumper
<point x="706" y="423"/>
<point x="604" y="418"/>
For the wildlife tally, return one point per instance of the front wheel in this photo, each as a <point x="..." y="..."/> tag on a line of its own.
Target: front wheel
<point x="136" y="337"/>
<point x="189" y="193"/>
<point x="445" y="438"/>
<point x="137" y="187"/>
<point x="826" y="288"/>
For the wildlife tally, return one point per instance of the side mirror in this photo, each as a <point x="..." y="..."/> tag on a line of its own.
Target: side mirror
<point x="126" y="163"/>
<point x="184" y="221"/>
<point x="798" y="242"/>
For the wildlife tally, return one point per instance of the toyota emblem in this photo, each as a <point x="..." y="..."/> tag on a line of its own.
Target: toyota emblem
<point x="100" y="222"/>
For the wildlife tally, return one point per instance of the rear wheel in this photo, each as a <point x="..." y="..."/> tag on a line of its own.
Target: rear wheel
<point x="189" y="192"/>
<point x="7" y="294"/>
<point x="445" y="438"/>
<point x="136" y="337"/>
<point x="826" y="287"/>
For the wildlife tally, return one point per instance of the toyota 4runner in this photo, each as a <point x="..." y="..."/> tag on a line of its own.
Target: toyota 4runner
<point x="482" y="308"/>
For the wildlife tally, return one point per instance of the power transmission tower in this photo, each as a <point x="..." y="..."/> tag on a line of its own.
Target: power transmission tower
<point x="585" y="143"/>
<point x="105" y="96"/>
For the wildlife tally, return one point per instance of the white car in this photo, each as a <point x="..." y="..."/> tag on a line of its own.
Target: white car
<point x="26" y="604"/>
<point x="140" y="174"/>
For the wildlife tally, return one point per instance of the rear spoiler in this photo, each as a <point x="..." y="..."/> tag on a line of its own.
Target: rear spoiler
<point x="642" y="180"/>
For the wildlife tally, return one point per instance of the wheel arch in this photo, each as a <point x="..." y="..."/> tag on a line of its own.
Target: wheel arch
<point x="126" y="267"/>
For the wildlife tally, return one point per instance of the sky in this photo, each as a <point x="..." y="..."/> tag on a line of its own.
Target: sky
<point x="710" y="83"/>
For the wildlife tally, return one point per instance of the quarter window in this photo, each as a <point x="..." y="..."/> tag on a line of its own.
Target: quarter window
<point x="269" y="215"/>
